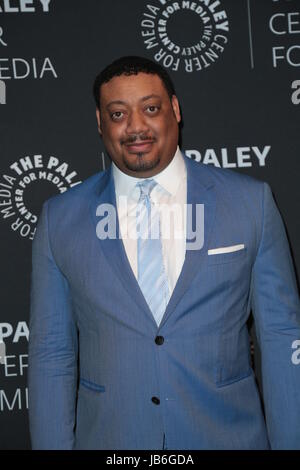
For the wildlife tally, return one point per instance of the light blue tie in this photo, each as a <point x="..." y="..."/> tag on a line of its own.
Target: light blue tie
<point x="152" y="278"/>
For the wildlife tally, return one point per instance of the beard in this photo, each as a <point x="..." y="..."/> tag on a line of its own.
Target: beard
<point x="140" y="163"/>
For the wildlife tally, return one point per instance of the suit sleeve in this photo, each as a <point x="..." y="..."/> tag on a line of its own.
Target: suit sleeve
<point x="53" y="346"/>
<point x="276" y="310"/>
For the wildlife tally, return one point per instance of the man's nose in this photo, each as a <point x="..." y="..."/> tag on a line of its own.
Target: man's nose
<point x="136" y="123"/>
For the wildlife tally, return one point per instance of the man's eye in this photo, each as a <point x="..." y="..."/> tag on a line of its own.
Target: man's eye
<point x="117" y="115"/>
<point x="152" y="109"/>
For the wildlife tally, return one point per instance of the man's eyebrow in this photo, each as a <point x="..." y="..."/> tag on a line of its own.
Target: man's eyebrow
<point x="148" y="97"/>
<point x="115" y="102"/>
<point x="145" y="98"/>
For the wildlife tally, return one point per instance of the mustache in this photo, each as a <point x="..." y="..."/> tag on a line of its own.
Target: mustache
<point x="138" y="137"/>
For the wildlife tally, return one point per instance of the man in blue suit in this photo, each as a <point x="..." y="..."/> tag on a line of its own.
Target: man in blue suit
<point x="139" y="341"/>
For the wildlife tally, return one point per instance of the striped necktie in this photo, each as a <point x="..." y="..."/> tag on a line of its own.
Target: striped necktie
<point x="152" y="277"/>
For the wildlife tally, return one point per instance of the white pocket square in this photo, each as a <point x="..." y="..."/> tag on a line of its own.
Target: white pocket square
<point x="225" y="249"/>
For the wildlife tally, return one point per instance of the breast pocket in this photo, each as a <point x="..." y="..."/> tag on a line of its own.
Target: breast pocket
<point x="229" y="257"/>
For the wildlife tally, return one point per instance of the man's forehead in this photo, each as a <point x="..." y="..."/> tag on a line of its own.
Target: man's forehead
<point x="138" y="85"/>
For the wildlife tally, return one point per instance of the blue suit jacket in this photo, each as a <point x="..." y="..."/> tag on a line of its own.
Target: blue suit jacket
<point x="94" y="364"/>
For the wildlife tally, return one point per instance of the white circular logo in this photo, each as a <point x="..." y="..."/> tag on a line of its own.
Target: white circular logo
<point x="32" y="180"/>
<point x="165" y="33"/>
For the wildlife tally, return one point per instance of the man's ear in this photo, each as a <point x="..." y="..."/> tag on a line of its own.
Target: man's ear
<point x="98" y="116"/>
<point x="176" y="108"/>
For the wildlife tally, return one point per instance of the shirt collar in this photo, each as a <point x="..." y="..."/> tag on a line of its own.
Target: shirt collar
<point x="169" y="179"/>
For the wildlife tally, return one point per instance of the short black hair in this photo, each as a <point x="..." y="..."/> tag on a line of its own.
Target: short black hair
<point x="131" y="65"/>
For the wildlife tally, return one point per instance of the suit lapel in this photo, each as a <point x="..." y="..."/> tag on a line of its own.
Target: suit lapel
<point x="113" y="248"/>
<point x="199" y="191"/>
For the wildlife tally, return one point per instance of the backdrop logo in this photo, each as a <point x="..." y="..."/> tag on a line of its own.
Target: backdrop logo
<point x="32" y="180"/>
<point x="13" y="364"/>
<point x="239" y="157"/>
<point x="24" y="6"/>
<point x="2" y="42"/>
<point x="164" y="31"/>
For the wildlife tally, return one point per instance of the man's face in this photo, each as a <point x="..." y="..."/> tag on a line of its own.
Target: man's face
<point x="138" y="123"/>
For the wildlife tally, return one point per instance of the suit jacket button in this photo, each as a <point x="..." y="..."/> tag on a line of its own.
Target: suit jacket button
<point x="159" y="340"/>
<point x="155" y="400"/>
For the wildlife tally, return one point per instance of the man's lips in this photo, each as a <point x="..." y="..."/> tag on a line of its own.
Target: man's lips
<point x="139" y="147"/>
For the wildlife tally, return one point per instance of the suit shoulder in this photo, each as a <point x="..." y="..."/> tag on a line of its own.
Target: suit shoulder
<point x="80" y="192"/>
<point x="225" y="178"/>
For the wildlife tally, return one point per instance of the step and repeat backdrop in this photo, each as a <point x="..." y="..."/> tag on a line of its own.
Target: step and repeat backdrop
<point x="236" y="69"/>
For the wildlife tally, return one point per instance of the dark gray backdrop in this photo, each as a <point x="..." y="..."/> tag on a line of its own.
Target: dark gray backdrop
<point x="240" y="109"/>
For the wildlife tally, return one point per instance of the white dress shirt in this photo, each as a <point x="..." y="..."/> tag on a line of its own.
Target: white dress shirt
<point x="169" y="193"/>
